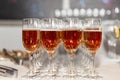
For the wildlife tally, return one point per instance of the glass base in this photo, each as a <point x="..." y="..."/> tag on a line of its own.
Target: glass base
<point x="29" y="75"/>
<point x="93" y="76"/>
<point x="51" y="72"/>
<point x="71" y="74"/>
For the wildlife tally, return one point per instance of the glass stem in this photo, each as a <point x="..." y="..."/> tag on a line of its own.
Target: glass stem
<point x="93" y="63"/>
<point x="31" y="67"/>
<point x="30" y="64"/>
<point x="51" y="67"/>
<point x="33" y="63"/>
<point x="72" y="67"/>
<point x="93" y="73"/>
<point x="72" y="63"/>
<point x="50" y="61"/>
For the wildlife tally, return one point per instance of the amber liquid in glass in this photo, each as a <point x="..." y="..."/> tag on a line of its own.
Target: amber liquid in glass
<point x="92" y="39"/>
<point x="30" y="39"/>
<point x="50" y="39"/>
<point x="71" y="39"/>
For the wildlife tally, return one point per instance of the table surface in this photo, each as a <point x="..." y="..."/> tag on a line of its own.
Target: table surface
<point x="110" y="69"/>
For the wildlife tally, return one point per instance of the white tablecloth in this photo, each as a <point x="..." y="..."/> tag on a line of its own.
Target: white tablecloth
<point x="109" y="71"/>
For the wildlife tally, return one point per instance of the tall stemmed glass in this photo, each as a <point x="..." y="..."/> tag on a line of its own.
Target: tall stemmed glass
<point x="116" y="44"/>
<point x="92" y="34"/>
<point x="50" y="38"/>
<point x="31" y="41"/>
<point x="71" y="36"/>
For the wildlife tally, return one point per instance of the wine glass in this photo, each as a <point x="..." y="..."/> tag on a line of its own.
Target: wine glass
<point x="50" y="38"/>
<point x="116" y="34"/>
<point x="31" y="41"/>
<point x="111" y="38"/>
<point x="92" y="34"/>
<point x="71" y="37"/>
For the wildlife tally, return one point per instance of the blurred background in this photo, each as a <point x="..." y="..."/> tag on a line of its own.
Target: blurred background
<point x="19" y="9"/>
